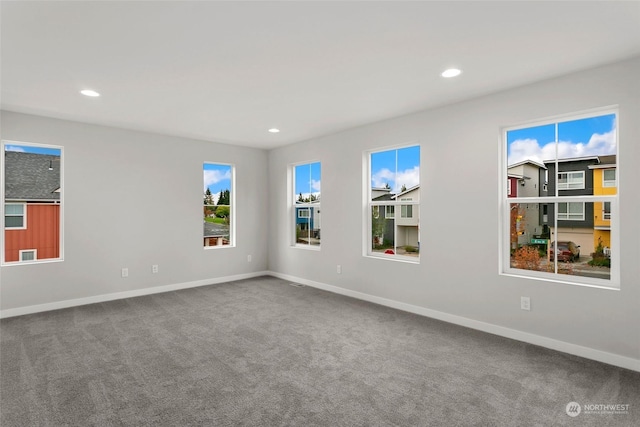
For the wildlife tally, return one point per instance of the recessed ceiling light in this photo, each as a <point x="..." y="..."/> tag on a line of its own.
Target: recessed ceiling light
<point x="274" y="130"/>
<point x="451" y="72"/>
<point x="89" y="92"/>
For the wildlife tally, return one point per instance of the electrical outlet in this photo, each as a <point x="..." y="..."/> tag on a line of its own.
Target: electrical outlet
<point x="339" y="269"/>
<point x="125" y="272"/>
<point x="248" y="258"/>
<point x="525" y="303"/>
<point x="154" y="268"/>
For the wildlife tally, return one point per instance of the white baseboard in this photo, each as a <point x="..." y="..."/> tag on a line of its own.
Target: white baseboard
<point x="577" y="350"/>
<point x="127" y="294"/>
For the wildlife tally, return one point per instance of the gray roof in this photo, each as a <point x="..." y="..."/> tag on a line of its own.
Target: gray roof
<point x="27" y="176"/>
<point x="383" y="197"/>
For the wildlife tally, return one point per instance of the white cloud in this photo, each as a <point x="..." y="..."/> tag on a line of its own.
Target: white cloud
<point x="315" y="185"/>
<point x="382" y="177"/>
<point x="407" y="177"/>
<point x="214" y="176"/>
<point x="600" y="144"/>
<point x="14" y="148"/>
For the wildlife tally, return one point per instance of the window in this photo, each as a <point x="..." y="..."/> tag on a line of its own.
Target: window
<point x="393" y="184"/>
<point x="28" y="255"/>
<point x="571" y="180"/>
<point x="609" y="178"/>
<point x="406" y="211"/>
<point x="606" y="211"/>
<point x="32" y="202"/>
<point x="562" y="231"/>
<point x="571" y="211"/>
<point x="303" y="213"/>
<point x="306" y="204"/>
<point x="15" y="216"/>
<point x="389" y="212"/>
<point x="219" y="207"/>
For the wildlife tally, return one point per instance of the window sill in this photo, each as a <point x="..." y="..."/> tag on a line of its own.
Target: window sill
<point x="38" y="261"/>
<point x="206" y="248"/>
<point x="306" y="247"/>
<point x="396" y="258"/>
<point x="588" y="282"/>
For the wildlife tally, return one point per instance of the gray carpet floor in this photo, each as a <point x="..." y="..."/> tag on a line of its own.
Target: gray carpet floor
<point x="260" y="352"/>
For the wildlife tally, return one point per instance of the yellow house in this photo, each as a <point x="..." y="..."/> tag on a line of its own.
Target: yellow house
<point x="604" y="183"/>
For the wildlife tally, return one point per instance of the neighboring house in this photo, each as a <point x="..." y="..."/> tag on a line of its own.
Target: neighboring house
<point x="407" y="223"/>
<point x="308" y="217"/>
<point x="604" y="183"/>
<point x="32" y="206"/>
<point x="575" y="220"/>
<point x="528" y="179"/>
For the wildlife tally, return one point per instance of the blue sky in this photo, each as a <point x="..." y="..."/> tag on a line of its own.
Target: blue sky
<point x="307" y="179"/>
<point x="576" y="138"/>
<point x="217" y="178"/>
<point x="30" y="149"/>
<point x="396" y="168"/>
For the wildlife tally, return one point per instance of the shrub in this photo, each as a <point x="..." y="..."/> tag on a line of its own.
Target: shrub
<point x="527" y="258"/>
<point x="410" y="248"/>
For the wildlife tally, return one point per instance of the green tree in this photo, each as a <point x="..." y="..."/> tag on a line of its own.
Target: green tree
<point x="387" y="186"/>
<point x="403" y="189"/>
<point x="223" y="212"/>
<point x="208" y="197"/>
<point x="377" y="225"/>
<point x="224" y="198"/>
<point x="300" y="198"/>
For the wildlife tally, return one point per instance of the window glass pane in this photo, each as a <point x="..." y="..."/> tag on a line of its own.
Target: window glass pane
<point x="584" y="250"/>
<point x="604" y="180"/>
<point x="14" y="209"/>
<point x="529" y="237"/>
<point x="591" y="136"/>
<point x="307" y="197"/>
<point x="32" y="176"/>
<point x="14" y="221"/>
<point x="573" y="211"/>
<point x="218" y="209"/>
<point x="27" y="256"/>
<point x="527" y="150"/>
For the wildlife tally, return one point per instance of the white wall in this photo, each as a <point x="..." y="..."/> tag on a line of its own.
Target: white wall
<point x="134" y="199"/>
<point x="458" y="272"/>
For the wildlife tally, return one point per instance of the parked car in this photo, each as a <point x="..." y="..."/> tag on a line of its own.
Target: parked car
<point x="567" y="251"/>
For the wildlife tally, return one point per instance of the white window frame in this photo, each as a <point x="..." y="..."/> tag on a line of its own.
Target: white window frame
<point x="391" y="215"/>
<point x="232" y="207"/>
<point x="504" y="268"/>
<point x="23" y="251"/>
<point x="369" y="205"/>
<point x="23" y="215"/>
<point x="60" y="202"/>
<point x="567" y="215"/>
<point x="293" y="197"/>
<point x="608" y="183"/>
<point x="567" y="185"/>
<point x="302" y="209"/>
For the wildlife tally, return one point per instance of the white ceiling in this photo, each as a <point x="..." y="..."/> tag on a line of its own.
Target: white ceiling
<point x="228" y="71"/>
